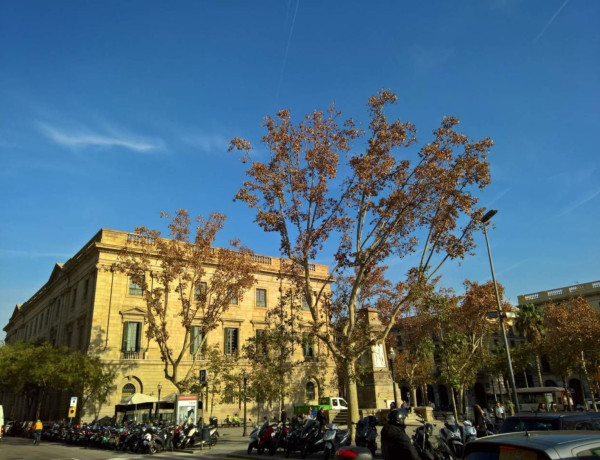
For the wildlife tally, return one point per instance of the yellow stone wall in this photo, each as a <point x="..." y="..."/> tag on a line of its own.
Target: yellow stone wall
<point x="66" y="312"/>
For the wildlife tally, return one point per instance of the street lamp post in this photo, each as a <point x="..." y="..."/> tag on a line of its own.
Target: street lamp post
<point x="245" y="374"/>
<point x="158" y="403"/>
<point x="484" y="220"/>
<point x="392" y="356"/>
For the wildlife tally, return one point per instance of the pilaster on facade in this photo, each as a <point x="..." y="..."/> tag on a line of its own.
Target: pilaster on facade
<point x="88" y="305"/>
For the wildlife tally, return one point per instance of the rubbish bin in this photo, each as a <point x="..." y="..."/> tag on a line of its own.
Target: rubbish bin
<point x="206" y="435"/>
<point x="213" y="421"/>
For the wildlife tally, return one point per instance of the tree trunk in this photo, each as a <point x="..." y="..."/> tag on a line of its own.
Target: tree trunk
<point x="454" y="409"/>
<point x="588" y="379"/>
<point x="353" y="414"/>
<point x="413" y="396"/>
<point x="567" y="393"/>
<point x="538" y="367"/>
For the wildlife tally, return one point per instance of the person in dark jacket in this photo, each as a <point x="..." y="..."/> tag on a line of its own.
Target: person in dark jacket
<point x="395" y="443"/>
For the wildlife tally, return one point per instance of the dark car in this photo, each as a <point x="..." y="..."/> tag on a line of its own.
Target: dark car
<point x="551" y="421"/>
<point x="536" y="445"/>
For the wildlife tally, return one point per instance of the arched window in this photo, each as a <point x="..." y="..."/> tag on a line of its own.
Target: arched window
<point x="127" y="390"/>
<point x="310" y="391"/>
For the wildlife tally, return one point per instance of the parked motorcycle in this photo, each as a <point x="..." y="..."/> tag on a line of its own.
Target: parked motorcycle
<point x="469" y="432"/>
<point x="334" y="438"/>
<point x="253" y="444"/>
<point x="450" y="443"/>
<point x="422" y="440"/>
<point x="293" y="441"/>
<point x="311" y="438"/>
<point x="366" y="433"/>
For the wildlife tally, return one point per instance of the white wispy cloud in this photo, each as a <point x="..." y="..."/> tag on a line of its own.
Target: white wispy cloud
<point x="84" y="137"/>
<point x="207" y="142"/>
<point x="498" y="197"/>
<point x="580" y="203"/>
<point x="549" y="23"/>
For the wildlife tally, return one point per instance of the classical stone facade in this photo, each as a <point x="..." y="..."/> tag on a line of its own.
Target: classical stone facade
<point x="89" y="306"/>
<point x="590" y="291"/>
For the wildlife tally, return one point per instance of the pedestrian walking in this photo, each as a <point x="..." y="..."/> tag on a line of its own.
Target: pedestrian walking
<point x="37" y="432"/>
<point x="499" y="414"/>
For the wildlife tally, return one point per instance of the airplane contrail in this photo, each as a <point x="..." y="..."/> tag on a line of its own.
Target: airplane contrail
<point x="551" y="21"/>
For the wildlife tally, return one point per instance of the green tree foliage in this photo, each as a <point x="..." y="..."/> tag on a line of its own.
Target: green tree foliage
<point x="271" y="351"/>
<point x="415" y="363"/>
<point x="365" y="206"/>
<point x="572" y="339"/>
<point x="530" y="323"/>
<point x="464" y="331"/>
<point x="36" y="369"/>
<point x="186" y="282"/>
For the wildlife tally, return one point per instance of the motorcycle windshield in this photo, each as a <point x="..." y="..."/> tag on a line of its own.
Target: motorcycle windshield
<point x="310" y="426"/>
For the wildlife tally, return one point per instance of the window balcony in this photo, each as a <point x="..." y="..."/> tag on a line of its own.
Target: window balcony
<point x="132" y="355"/>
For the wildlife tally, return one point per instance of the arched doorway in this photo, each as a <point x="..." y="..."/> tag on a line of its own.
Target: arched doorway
<point x="430" y="395"/>
<point x="480" y="395"/>
<point x="405" y="393"/>
<point x="127" y="390"/>
<point x="444" y="400"/>
<point x="576" y="389"/>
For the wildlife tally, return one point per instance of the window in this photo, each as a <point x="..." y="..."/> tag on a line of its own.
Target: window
<point x="308" y="345"/>
<point x="81" y="336"/>
<point x="127" y="390"/>
<point x="200" y="292"/>
<point x="304" y="303"/>
<point x="231" y="340"/>
<point x="195" y="339"/>
<point x="261" y="343"/>
<point x="261" y="297"/>
<point x="132" y="332"/>
<point x="134" y="288"/>
<point x="228" y="396"/>
<point x="86" y="286"/>
<point x="310" y="391"/>
<point x="74" y="299"/>
<point x="233" y="298"/>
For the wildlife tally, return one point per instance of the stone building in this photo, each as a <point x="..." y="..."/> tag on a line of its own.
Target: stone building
<point x="591" y="293"/>
<point x="86" y="305"/>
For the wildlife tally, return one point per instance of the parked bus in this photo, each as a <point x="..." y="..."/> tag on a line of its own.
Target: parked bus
<point x="554" y="397"/>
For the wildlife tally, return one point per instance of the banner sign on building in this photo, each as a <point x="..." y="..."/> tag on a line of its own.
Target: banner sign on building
<point x="186" y="409"/>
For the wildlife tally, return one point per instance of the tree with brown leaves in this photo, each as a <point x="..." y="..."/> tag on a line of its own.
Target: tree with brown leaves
<point x="187" y="285"/>
<point x="572" y="340"/>
<point x="365" y="207"/>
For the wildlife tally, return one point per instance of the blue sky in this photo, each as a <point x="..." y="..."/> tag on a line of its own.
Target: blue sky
<point x="112" y="111"/>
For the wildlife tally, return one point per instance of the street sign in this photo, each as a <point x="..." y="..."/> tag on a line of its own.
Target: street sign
<point x="71" y="412"/>
<point x="73" y="401"/>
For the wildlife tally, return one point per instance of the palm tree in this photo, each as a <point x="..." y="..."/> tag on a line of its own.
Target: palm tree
<point x="530" y="324"/>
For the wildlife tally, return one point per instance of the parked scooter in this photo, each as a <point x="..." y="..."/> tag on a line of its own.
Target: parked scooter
<point x="311" y="438"/>
<point x="422" y="441"/>
<point x="366" y="433"/>
<point x="450" y="443"/>
<point x="293" y="441"/>
<point x="469" y="432"/>
<point x="333" y="438"/>
<point x="253" y="444"/>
